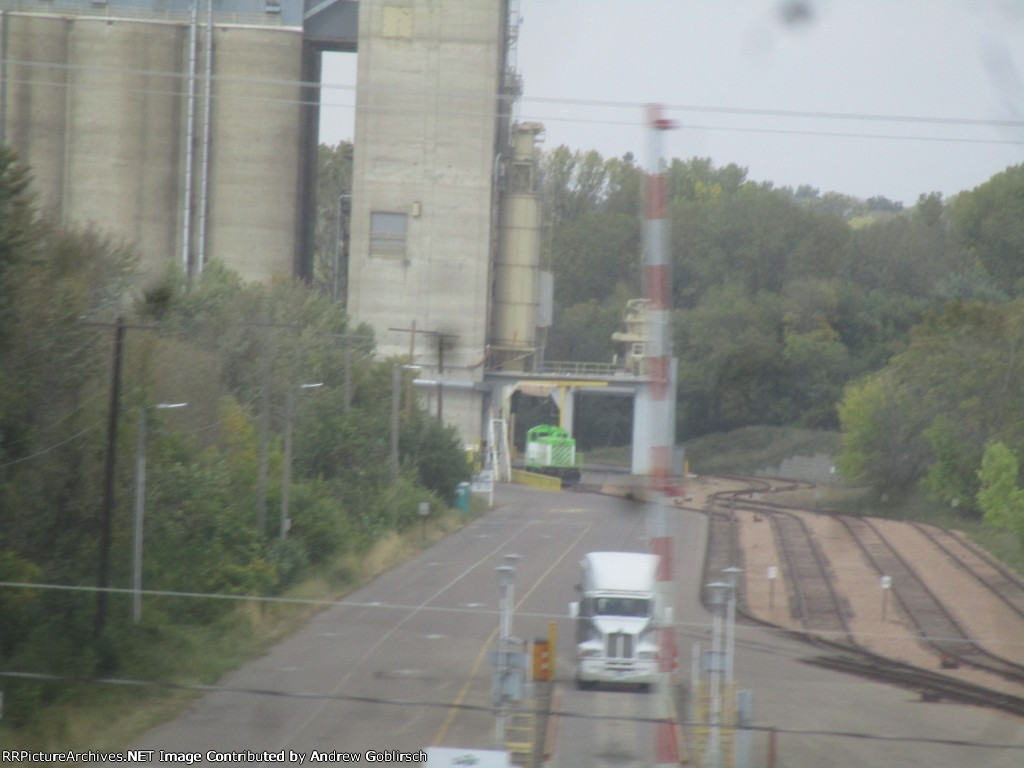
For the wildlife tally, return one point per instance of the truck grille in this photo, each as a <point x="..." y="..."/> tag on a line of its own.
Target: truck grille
<point x="620" y="645"/>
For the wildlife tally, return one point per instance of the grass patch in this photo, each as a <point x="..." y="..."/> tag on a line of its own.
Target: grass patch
<point x="745" y="451"/>
<point x="740" y="452"/>
<point x="100" y="716"/>
<point x="614" y="455"/>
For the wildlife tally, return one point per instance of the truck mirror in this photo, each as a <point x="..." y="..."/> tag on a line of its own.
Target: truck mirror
<point x="574" y="610"/>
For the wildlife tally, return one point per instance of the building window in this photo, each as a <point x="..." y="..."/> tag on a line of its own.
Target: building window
<point x="387" y="233"/>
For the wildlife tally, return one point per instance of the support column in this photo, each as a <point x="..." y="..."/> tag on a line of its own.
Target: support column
<point x="658" y="395"/>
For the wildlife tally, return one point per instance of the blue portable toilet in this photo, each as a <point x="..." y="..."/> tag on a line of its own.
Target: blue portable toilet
<point x="462" y="498"/>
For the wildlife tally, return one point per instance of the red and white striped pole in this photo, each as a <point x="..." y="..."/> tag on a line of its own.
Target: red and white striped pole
<point x="661" y="422"/>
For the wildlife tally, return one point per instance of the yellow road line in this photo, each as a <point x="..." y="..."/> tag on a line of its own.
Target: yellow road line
<point x="461" y="696"/>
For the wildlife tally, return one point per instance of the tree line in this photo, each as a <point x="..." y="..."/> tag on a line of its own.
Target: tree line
<point x="238" y="355"/>
<point x="899" y="326"/>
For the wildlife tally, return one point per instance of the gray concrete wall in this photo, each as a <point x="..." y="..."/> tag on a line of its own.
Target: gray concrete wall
<point x="255" y="150"/>
<point x="819" y="468"/>
<point x="425" y="133"/>
<point x="96" y="105"/>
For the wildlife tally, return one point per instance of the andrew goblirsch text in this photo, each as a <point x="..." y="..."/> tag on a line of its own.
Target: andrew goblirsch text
<point x="383" y="756"/>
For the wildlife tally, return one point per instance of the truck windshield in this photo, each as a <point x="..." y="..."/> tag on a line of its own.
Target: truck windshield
<point x="622" y="606"/>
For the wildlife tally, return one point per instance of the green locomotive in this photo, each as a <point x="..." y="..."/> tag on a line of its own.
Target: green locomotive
<point x="551" y="450"/>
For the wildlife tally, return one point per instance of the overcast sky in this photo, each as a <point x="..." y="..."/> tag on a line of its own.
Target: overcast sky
<point x="812" y="92"/>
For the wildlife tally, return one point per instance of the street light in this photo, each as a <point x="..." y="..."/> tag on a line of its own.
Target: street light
<point x="732" y="573"/>
<point x="286" y="469"/>
<point x="140" y="500"/>
<point x="717" y="596"/>
<point x="506" y="578"/>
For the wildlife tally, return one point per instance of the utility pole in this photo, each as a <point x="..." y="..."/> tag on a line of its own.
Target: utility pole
<point x="109" y="464"/>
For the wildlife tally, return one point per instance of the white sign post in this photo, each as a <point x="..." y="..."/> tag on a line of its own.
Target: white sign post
<point x="886" y="586"/>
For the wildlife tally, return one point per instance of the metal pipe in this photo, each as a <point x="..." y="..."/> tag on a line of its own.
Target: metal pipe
<point x="207" y="118"/>
<point x="186" y="235"/>
<point x="4" y="19"/>
<point x="448" y="383"/>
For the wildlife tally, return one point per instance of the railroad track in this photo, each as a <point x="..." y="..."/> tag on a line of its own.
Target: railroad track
<point x="823" y="613"/>
<point x="995" y="576"/>
<point x="821" y="610"/>
<point x="935" y="625"/>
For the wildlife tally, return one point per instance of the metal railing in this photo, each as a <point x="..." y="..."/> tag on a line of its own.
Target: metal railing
<point x="582" y="368"/>
<point x="103" y="10"/>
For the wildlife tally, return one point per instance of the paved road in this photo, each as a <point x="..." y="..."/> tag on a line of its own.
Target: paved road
<point x="401" y="665"/>
<point x="383" y="671"/>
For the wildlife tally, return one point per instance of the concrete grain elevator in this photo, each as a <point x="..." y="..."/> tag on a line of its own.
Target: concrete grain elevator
<point x="445" y="215"/>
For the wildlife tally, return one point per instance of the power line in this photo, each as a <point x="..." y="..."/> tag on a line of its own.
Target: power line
<point x="488" y="96"/>
<point x="409" y="97"/>
<point x="766" y="112"/>
<point x="462" y="706"/>
<point x="693" y="629"/>
<point x="51" y="448"/>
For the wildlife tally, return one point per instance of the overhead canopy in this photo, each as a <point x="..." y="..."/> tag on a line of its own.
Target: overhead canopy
<point x="332" y="25"/>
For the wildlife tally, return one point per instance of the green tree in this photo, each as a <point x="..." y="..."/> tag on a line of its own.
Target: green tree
<point x="928" y="416"/>
<point x="584" y="331"/>
<point x="878" y="446"/>
<point x="731" y="371"/>
<point x="999" y="497"/>
<point x="988" y="223"/>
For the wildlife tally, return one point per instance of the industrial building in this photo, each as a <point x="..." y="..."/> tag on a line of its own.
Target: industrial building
<point x="189" y="129"/>
<point x="445" y="214"/>
<point x="185" y="128"/>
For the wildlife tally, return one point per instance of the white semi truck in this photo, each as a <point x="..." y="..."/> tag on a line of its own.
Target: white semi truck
<point x="616" y="619"/>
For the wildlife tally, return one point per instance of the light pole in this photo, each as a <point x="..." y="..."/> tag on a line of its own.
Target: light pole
<point x="732" y="573"/>
<point x="286" y="468"/>
<point x="140" y="502"/>
<point x="717" y="597"/>
<point x="506" y="577"/>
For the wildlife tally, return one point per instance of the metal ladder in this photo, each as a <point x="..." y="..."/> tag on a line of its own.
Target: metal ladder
<point x="498" y="451"/>
<point x="521" y="737"/>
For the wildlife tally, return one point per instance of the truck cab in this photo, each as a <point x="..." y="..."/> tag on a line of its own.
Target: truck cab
<point x="616" y="619"/>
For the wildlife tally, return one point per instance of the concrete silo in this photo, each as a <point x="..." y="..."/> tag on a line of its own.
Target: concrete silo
<point x="171" y="125"/>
